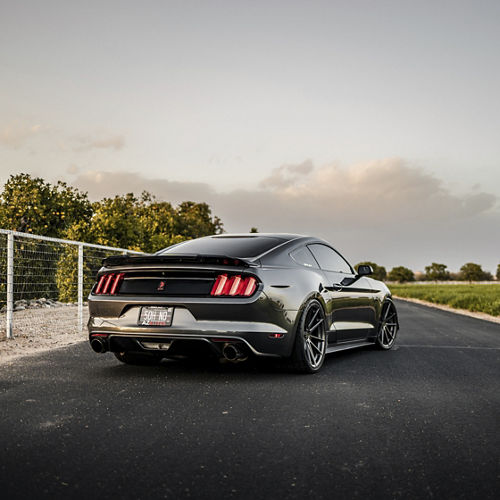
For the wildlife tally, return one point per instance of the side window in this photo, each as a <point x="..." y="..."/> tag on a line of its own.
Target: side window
<point x="304" y="257"/>
<point x="329" y="259"/>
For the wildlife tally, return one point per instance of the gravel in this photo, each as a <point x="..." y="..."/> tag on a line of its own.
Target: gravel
<point x="40" y="325"/>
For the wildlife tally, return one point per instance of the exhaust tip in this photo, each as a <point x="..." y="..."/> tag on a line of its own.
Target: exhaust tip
<point x="98" y="345"/>
<point x="234" y="353"/>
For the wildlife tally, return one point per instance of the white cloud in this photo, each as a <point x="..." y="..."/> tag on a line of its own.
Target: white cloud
<point x="17" y="133"/>
<point x="287" y="175"/>
<point x="88" y="142"/>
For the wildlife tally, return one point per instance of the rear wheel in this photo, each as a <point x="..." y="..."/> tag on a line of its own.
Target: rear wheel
<point x="388" y="326"/>
<point x="130" y="358"/>
<point x="310" y="340"/>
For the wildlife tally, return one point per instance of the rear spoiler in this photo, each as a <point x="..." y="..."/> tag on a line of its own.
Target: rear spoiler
<point x="219" y="260"/>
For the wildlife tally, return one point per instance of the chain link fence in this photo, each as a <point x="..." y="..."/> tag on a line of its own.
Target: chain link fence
<point x="44" y="283"/>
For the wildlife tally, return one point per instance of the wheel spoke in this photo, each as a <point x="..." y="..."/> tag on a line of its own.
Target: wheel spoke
<point x="316" y="325"/>
<point x="311" y="321"/>
<point x="315" y="347"/>
<point x="308" y="353"/>
<point x="388" y="335"/>
<point x="317" y="338"/>
<point x="386" y="313"/>
<point x="314" y="356"/>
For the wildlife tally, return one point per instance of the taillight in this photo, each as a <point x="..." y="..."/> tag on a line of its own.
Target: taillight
<point x="233" y="286"/>
<point x="109" y="284"/>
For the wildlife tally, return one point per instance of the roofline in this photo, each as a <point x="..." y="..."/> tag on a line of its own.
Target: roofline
<point x="285" y="236"/>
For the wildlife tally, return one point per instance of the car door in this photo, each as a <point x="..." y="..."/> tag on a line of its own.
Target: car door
<point x="350" y="300"/>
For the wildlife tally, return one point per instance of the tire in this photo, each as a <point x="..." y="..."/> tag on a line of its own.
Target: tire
<point x="310" y="340"/>
<point x="388" y="326"/>
<point x="130" y="358"/>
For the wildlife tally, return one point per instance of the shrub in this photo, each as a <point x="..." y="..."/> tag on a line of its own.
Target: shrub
<point x="401" y="274"/>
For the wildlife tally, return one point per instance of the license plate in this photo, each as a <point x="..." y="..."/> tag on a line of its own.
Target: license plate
<point x="156" y="316"/>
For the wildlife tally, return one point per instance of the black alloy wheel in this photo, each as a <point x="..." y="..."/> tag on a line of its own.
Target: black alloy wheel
<point x="310" y="341"/>
<point x="388" y="326"/>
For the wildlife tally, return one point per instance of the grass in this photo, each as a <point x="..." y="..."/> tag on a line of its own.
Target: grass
<point x="473" y="297"/>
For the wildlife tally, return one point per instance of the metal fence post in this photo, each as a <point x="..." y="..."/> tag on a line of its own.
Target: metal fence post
<point x="80" y="288"/>
<point x="10" y="283"/>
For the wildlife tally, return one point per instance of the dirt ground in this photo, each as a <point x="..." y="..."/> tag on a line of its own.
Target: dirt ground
<point x="37" y="330"/>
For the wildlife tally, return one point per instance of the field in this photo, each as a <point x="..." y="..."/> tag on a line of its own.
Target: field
<point x="473" y="297"/>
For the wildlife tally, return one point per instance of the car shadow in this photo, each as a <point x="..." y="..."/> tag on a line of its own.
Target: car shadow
<point x="215" y="369"/>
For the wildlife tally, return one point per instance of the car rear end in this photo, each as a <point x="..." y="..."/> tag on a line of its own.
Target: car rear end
<point x="175" y="304"/>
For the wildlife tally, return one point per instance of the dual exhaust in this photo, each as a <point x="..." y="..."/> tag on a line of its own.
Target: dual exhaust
<point x="234" y="352"/>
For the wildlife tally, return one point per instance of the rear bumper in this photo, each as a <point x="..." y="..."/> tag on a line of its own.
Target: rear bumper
<point x="264" y="334"/>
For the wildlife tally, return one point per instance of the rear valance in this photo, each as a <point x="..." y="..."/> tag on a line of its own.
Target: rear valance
<point x="218" y="260"/>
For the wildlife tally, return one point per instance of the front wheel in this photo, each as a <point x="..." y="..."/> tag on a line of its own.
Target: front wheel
<point x="388" y="326"/>
<point x="310" y="340"/>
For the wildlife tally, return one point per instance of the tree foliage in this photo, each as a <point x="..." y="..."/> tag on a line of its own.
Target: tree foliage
<point x="437" y="272"/>
<point x="401" y="274"/>
<point x="498" y="272"/>
<point x="474" y="272"/>
<point x="32" y="205"/>
<point x="145" y="223"/>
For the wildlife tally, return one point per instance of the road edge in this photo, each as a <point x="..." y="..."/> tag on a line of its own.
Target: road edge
<point x="11" y="354"/>
<point x="442" y="307"/>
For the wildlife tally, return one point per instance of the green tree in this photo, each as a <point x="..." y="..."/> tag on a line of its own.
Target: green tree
<point x="194" y="220"/>
<point x="474" y="272"/>
<point x="498" y="272"/>
<point x="379" y="272"/>
<point x="145" y="223"/>
<point x="437" y="272"/>
<point x="32" y="205"/>
<point x="254" y="230"/>
<point x="401" y="274"/>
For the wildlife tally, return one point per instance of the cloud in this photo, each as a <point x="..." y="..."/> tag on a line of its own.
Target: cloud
<point x="287" y="175"/>
<point x="73" y="169"/>
<point x="387" y="210"/>
<point x="100" y="184"/>
<point x="16" y="134"/>
<point x="87" y="143"/>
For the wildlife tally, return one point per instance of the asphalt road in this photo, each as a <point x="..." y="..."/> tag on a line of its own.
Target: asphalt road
<point x="420" y="421"/>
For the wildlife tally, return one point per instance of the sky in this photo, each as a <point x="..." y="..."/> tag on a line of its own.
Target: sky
<point x="374" y="125"/>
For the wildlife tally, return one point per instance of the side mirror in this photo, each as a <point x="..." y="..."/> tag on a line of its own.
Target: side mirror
<point x="365" y="270"/>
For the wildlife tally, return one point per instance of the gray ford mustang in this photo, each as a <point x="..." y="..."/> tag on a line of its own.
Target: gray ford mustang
<point x="237" y="295"/>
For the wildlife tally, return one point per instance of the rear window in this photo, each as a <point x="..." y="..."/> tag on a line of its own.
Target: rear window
<point x="230" y="246"/>
<point x="304" y="257"/>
